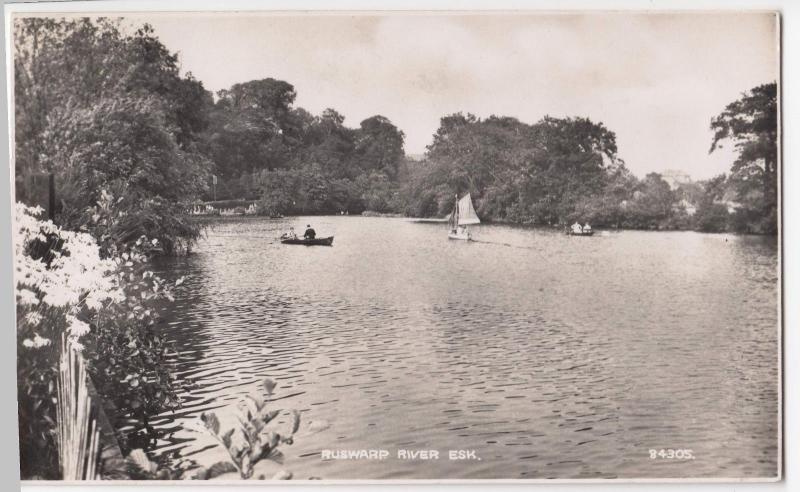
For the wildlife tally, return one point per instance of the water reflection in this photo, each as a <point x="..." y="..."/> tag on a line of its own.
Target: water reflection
<point x="551" y="356"/>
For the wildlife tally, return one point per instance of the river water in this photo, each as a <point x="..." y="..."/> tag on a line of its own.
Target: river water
<point x="547" y="355"/>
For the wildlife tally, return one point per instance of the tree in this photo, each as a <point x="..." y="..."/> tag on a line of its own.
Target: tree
<point x="712" y="214"/>
<point x="652" y="203"/>
<point x="751" y="123"/>
<point x="273" y="97"/>
<point x="104" y="109"/>
<point x="379" y="146"/>
<point x="330" y="145"/>
<point x="253" y="127"/>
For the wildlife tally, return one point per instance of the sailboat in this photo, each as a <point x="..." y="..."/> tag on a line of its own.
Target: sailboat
<point x="463" y="215"/>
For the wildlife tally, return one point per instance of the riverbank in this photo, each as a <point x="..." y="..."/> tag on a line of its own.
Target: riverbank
<point x="434" y="220"/>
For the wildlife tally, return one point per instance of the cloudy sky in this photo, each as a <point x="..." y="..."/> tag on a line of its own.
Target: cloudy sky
<point x="654" y="79"/>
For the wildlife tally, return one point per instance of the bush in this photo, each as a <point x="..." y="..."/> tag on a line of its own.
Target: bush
<point x="712" y="217"/>
<point x="104" y="301"/>
<point x="61" y="282"/>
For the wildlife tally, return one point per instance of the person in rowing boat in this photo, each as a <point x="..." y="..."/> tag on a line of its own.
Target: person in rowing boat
<point x="587" y="228"/>
<point x="576" y="228"/>
<point x="310" y="233"/>
<point x="289" y="235"/>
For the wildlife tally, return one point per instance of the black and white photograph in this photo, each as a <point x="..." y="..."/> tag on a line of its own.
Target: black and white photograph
<point x="397" y="246"/>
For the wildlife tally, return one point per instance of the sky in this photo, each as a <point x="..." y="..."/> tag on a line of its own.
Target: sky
<point x="656" y="80"/>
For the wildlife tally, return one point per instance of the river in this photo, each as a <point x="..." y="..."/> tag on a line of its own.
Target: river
<point x="547" y="355"/>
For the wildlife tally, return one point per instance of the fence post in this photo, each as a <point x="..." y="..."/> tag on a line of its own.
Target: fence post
<point x="39" y="189"/>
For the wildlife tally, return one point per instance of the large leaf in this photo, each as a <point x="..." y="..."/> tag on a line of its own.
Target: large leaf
<point x="226" y="438"/>
<point x="220" y="468"/>
<point x="269" y="385"/>
<point x="138" y="460"/>
<point x="268" y="416"/>
<point x="295" y="421"/>
<point x="282" y="475"/>
<point x="211" y="421"/>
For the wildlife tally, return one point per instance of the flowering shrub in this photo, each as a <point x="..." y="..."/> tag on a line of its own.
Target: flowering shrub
<point x="105" y="301"/>
<point x="60" y="281"/>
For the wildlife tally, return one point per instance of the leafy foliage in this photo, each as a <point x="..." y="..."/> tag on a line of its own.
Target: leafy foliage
<point x="516" y="172"/>
<point x="295" y="162"/>
<point x="61" y="281"/>
<point x="140" y="467"/>
<point x="102" y="109"/>
<point x="249" y="442"/>
<point x="106" y="303"/>
<point x="751" y="123"/>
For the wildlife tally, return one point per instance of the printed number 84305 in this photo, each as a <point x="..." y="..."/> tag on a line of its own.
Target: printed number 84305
<point x="671" y="454"/>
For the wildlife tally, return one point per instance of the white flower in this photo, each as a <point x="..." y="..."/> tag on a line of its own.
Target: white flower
<point x="60" y="298"/>
<point x="26" y="297"/>
<point x="75" y="277"/>
<point x="94" y="300"/>
<point x="33" y="318"/>
<point x="77" y="328"/>
<point x="37" y="342"/>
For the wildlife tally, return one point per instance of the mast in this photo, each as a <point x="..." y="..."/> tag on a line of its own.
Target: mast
<point x="454" y="215"/>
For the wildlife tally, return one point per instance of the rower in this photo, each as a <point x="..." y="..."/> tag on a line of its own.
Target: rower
<point x="587" y="228"/>
<point x="310" y="233"/>
<point x="576" y="228"/>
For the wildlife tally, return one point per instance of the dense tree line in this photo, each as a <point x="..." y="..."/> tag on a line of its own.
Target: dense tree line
<point x="560" y="170"/>
<point x="293" y="162"/>
<point x="553" y="172"/>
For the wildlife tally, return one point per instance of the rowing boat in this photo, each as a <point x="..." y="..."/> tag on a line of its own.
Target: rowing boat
<point x="319" y="241"/>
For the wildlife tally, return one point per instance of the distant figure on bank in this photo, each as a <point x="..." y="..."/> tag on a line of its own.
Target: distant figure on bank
<point x="587" y="228"/>
<point x="576" y="228"/>
<point x="310" y="233"/>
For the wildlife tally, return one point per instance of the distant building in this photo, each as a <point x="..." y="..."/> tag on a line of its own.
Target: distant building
<point x="731" y="205"/>
<point x="729" y="201"/>
<point x="675" y="178"/>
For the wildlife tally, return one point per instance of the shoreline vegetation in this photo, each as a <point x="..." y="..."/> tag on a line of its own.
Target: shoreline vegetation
<point x="131" y="144"/>
<point x="211" y="217"/>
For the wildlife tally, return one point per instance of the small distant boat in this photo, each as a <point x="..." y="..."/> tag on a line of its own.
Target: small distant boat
<point x="463" y="215"/>
<point x="319" y="241"/>
<point x="577" y="230"/>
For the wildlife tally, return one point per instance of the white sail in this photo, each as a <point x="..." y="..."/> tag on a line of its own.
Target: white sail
<point x="466" y="212"/>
